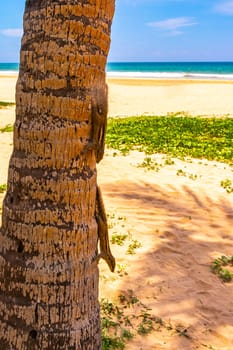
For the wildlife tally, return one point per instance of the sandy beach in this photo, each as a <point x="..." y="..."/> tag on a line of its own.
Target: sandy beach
<point x="159" y="97"/>
<point x="156" y="97"/>
<point x="181" y="222"/>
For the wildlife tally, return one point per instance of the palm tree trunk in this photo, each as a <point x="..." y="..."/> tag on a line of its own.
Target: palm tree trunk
<point x="48" y="238"/>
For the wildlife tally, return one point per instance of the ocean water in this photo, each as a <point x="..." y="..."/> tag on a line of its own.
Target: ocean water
<point x="8" y="68"/>
<point x="172" y="70"/>
<point x="157" y="70"/>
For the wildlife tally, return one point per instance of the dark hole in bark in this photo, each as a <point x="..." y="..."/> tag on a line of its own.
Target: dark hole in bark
<point x="20" y="247"/>
<point x="33" y="334"/>
<point x="11" y="200"/>
<point x="36" y="314"/>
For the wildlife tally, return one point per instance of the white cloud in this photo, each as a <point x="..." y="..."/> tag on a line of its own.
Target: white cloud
<point x="172" y="25"/>
<point x="225" y="8"/>
<point x="13" y="32"/>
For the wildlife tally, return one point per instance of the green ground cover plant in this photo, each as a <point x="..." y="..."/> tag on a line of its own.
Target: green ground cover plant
<point x="128" y="317"/>
<point x="221" y="267"/>
<point x="135" y="244"/>
<point x="123" y="319"/>
<point x="4" y="104"/>
<point x="187" y="136"/>
<point x="152" y="164"/>
<point x="118" y="238"/>
<point x="228" y="185"/>
<point x="149" y="164"/>
<point x="3" y="188"/>
<point x="7" y="128"/>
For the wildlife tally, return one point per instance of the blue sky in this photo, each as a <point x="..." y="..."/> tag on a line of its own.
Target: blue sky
<point x="148" y="30"/>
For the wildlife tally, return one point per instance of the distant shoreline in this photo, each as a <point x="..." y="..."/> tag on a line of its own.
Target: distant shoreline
<point x="6" y="74"/>
<point x="135" y="80"/>
<point x="197" y="71"/>
<point x="169" y="76"/>
<point x="167" y="81"/>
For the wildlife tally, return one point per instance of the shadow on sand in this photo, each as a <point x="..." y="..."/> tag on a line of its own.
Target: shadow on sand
<point x="181" y="232"/>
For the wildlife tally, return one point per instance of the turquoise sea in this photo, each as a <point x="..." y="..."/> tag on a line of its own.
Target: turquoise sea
<point x="8" y="68"/>
<point x="174" y="70"/>
<point x="157" y="70"/>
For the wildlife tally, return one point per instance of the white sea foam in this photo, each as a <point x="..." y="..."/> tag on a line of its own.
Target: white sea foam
<point x="209" y="76"/>
<point x="169" y="75"/>
<point x="8" y="72"/>
<point x="147" y="75"/>
<point x="151" y="75"/>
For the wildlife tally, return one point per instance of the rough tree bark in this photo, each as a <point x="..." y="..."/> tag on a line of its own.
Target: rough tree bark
<point x="48" y="238"/>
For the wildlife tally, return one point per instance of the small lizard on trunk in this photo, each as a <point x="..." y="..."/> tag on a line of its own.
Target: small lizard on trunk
<point x="101" y="218"/>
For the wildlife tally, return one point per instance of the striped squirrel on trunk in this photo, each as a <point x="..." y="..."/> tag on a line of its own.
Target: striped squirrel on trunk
<point x="101" y="219"/>
<point x="99" y="111"/>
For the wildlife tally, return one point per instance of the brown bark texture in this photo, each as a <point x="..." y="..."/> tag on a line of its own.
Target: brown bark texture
<point x="48" y="238"/>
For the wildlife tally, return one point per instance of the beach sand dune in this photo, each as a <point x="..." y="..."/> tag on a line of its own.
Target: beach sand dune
<point x="181" y="222"/>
